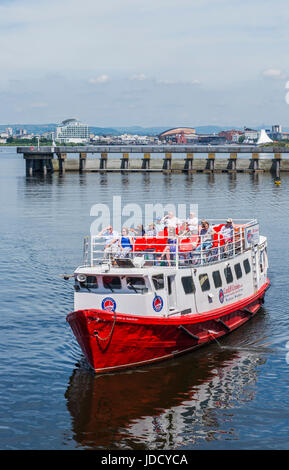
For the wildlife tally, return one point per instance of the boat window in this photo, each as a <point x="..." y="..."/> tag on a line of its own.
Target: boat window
<point x="136" y="283"/>
<point x="228" y="274"/>
<point x="247" y="266"/>
<point x="111" y="282"/>
<point x="158" y="281"/>
<point x="238" y="270"/>
<point x="89" y="283"/>
<point x="204" y="282"/>
<point x="169" y="285"/>
<point x="188" y="284"/>
<point x="217" y="279"/>
<point x="262" y="260"/>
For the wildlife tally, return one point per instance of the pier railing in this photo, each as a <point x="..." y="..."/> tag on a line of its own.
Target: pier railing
<point x="174" y="250"/>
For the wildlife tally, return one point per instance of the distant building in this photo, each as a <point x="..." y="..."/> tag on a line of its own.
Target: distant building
<point x="277" y="134"/>
<point x="277" y="128"/>
<point x="72" y="131"/>
<point x="231" y="135"/>
<point x="250" y="134"/>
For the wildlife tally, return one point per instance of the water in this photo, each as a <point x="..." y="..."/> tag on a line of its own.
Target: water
<point x="234" y="397"/>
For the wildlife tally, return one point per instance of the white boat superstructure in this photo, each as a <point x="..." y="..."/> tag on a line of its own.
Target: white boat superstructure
<point x="192" y="282"/>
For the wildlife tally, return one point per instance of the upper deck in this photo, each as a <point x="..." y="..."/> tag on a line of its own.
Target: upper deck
<point x="173" y="250"/>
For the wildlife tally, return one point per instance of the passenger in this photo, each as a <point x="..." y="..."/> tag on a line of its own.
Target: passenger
<point x="206" y="235"/>
<point x="111" y="238"/>
<point x="186" y="232"/>
<point x="228" y="232"/>
<point x="139" y="231"/>
<point x="193" y="223"/>
<point x="171" y="246"/>
<point x="159" y="225"/>
<point x="151" y="232"/>
<point x="170" y="220"/>
<point x="125" y="244"/>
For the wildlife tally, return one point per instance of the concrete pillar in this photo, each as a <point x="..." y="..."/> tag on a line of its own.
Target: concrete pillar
<point x="61" y="162"/>
<point x="189" y="162"/>
<point x="255" y="161"/>
<point x="29" y="167"/>
<point x="146" y="161"/>
<point x="211" y="162"/>
<point x="103" y="161"/>
<point x="167" y="166"/>
<point x="124" y="161"/>
<point x="277" y="164"/>
<point x="232" y="163"/>
<point x="50" y="166"/>
<point x="82" y="161"/>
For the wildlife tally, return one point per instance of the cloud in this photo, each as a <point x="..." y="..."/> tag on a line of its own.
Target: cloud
<point x="178" y="82"/>
<point x="140" y="77"/>
<point x="276" y="74"/>
<point x="39" y="104"/>
<point x="101" y="79"/>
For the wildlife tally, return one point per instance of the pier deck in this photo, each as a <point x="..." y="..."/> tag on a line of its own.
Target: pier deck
<point x="261" y="158"/>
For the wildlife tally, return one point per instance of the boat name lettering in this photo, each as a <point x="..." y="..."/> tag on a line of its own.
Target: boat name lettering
<point x="232" y="288"/>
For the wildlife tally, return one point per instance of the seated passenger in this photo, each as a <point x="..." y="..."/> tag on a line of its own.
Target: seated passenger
<point x="111" y="238"/>
<point x="228" y="232"/>
<point x="125" y="244"/>
<point x="151" y="232"/>
<point x="206" y="235"/>
<point x="171" y="246"/>
<point x="170" y="220"/>
<point x="193" y="224"/>
<point x="139" y="231"/>
<point x="159" y="225"/>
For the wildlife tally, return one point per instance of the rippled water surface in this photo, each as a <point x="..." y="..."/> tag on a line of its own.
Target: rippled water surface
<point x="229" y="397"/>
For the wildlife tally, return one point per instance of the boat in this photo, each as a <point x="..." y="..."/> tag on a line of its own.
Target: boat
<point x="164" y="300"/>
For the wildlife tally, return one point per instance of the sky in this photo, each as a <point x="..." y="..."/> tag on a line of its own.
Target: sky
<point x="145" y="63"/>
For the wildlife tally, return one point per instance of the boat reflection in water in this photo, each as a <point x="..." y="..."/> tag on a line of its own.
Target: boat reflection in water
<point x="165" y="406"/>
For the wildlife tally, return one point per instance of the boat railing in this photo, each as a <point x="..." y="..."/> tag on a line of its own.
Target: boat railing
<point x="177" y="250"/>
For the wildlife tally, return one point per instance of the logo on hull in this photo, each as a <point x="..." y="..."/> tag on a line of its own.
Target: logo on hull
<point x="108" y="304"/>
<point x="221" y="296"/>
<point x="158" y="303"/>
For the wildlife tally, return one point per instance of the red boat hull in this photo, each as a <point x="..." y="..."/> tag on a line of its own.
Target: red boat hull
<point x="113" y="341"/>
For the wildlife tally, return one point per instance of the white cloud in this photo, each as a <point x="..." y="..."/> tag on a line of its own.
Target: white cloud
<point x="274" y="73"/>
<point x="101" y="79"/>
<point x="38" y="104"/>
<point x="178" y="82"/>
<point x="140" y="77"/>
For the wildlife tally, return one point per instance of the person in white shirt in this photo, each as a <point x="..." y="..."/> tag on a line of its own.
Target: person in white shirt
<point x="170" y="220"/>
<point x="192" y="222"/>
<point x="159" y="225"/>
<point x="111" y="240"/>
<point x="227" y="231"/>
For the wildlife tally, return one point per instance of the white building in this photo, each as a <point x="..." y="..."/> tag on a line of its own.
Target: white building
<point x="250" y="134"/>
<point x="72" y="131"/>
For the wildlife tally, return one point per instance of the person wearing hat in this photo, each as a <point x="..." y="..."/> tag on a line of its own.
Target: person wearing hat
<point x="159" y="225"/>
<point x="227" y="231"/>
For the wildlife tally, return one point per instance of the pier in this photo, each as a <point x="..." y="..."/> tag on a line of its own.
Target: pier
<point x="156" y="158"/>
